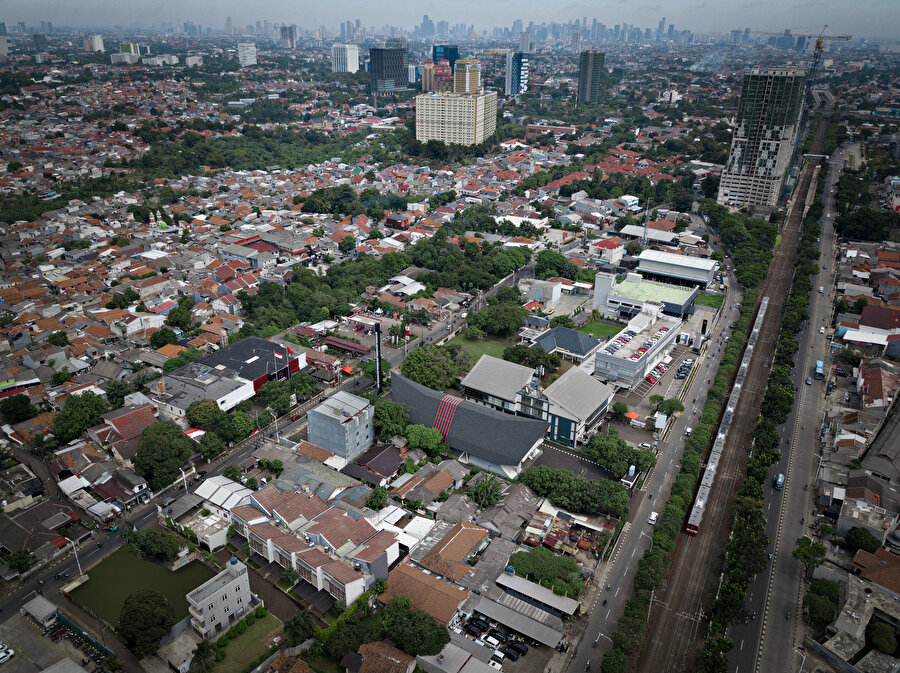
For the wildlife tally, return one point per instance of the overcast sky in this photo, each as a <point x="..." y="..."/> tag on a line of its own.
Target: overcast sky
<point x="862" y="18"/>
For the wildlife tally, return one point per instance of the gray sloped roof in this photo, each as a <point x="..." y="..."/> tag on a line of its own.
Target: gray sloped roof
<point x="497" y="377"/>
<point x="566" y="338"/>
<point x="578" y="393"/>
<point x="490" y="435"/>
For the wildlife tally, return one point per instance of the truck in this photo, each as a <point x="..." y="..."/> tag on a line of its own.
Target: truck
<point x="698" y="341"/>
<point x="779" y="482"/>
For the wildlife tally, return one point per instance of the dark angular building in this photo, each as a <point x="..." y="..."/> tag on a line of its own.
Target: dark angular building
<point x="590" y="76"/>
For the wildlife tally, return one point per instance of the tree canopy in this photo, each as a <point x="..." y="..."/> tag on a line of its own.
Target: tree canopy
<point x="145" y="619"/>
<point x="162" y="449"/>
<point x="163" y="337"/>
<point x="551" y="264"/>
<point x="501" y="320"/>
<point x="861" y="538"/>
<point x="17" y="408"/>
<point x="79" y="413"/>
<point x="541" y="565"/>
<point x="616" y="455"/>
<point x="415" y="631"/>
<point x="576" y="494"/>
<point x="157" y="543"/>
<point x="434" y="366"/>
<point x="390" y="418"/>
<point x="422" y="437"/>
<point x="486" y="492"/>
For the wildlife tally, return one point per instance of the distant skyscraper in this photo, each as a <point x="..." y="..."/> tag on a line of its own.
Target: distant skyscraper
<point x="660" y="29"/>
<point x="2" y="28"/>
<point x="4" y="45"/>
<point x="427" y="76"/>
<point x="246" y="53"/>
<point x="590" y="76"/>
<point x="93" y="44"/>
<point x="344" y="58"/>
<point x="525" y="42"/>
<point x="467" y="76"/>
<point x="463" y="119"/>
<point x="762" y="142"/>
<point x="228" y="26"/>
<point x="516" y="73"/>
<point x="445" y="51"/>
<point x="289" y="37"/>
<point x="388" y="69"/>
<point x="576" y="41"/>
<point x="40" y="41"/>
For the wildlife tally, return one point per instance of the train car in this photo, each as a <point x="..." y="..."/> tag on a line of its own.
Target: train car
<point x="695" y="519"/>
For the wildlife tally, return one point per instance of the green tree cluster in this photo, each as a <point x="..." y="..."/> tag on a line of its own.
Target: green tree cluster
<point x="616" y="455"/>
<point x="533" y="357"/>
<point x="162" y="449"/>
<point x="145" y="619"/>
<point x="576" y="494"/>
<point x="559" y="573"/>
<point x="155" y="543"/>
<point x="436" y="367"/>
<point x="17" y="408"/>
<point x="486" y="491"/>
<point x="79" y="413"/>
<point x="502" y="320"/>
<point x="390" y="418"/>
<point x="422" y="437"/>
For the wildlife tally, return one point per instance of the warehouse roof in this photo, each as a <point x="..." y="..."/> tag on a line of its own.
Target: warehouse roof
<point x="539" y="593"/>
<point x="661" y="257"/>
<point x="516" y="621"/>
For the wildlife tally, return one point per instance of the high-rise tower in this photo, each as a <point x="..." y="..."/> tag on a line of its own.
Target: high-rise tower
<point x="590" y="76"/>
<point x="467" y="75"/>
<point x="762" y="143"/>
<point x="516" y="73"/>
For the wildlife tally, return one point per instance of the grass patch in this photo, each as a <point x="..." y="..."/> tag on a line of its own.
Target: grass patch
<point x="240" y="651"/>
<point x="601" y="330"/>
<point x="777" y="240"/>
<point x="713" y="301"/>
<point x="480" y="347"/>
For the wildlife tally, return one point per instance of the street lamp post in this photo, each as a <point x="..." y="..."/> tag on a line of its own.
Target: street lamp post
<point x="183" y="479"/>
<point x="601" y="635"/>
<point x="75" y="549"/>
<point x="649" y="538"/>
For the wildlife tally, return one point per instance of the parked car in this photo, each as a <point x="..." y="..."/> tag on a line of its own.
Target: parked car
<point x="510" y="653"/>
<point x="519" y="647"/>
<point x="6" y="655"/>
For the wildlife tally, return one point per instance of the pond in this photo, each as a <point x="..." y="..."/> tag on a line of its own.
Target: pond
<point x="123" y="573"/>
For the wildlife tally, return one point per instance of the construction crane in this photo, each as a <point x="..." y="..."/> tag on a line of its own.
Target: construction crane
<point x="817" y="51"/>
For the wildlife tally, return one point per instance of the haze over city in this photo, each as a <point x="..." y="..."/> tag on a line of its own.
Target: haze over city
<point x="449" y="337"/>
<point x="873" y="18"/>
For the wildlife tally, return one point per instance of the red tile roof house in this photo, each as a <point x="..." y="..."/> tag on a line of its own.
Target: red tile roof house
<point x="121" y="430"/>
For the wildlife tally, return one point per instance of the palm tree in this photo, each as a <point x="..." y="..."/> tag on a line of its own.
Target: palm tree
<point x="204" y="658"/>
<point x="299" y="627"/>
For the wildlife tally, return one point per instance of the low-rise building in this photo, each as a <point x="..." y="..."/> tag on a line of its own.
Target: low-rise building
<point x="342" y="424"/>
<point x="636" y="350"/>
<point x="221" y="601"/>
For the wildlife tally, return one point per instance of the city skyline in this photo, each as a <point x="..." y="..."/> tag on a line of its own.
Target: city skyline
<point x="878" y="21"/>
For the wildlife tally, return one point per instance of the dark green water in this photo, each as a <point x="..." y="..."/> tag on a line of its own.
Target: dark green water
<point x="123" y="573"/>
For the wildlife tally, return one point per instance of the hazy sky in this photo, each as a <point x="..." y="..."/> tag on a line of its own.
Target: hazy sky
<point x="862" y="18"/>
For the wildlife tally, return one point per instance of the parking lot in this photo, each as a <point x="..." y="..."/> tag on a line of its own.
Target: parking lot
<point x="499" y="648"/>
<point x="33" y="652"/>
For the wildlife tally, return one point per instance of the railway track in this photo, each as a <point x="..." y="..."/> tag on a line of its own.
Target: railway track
<point x="671" y="641"/>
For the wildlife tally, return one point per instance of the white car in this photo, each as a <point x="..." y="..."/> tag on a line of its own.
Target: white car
<point x="6" y="655"/>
